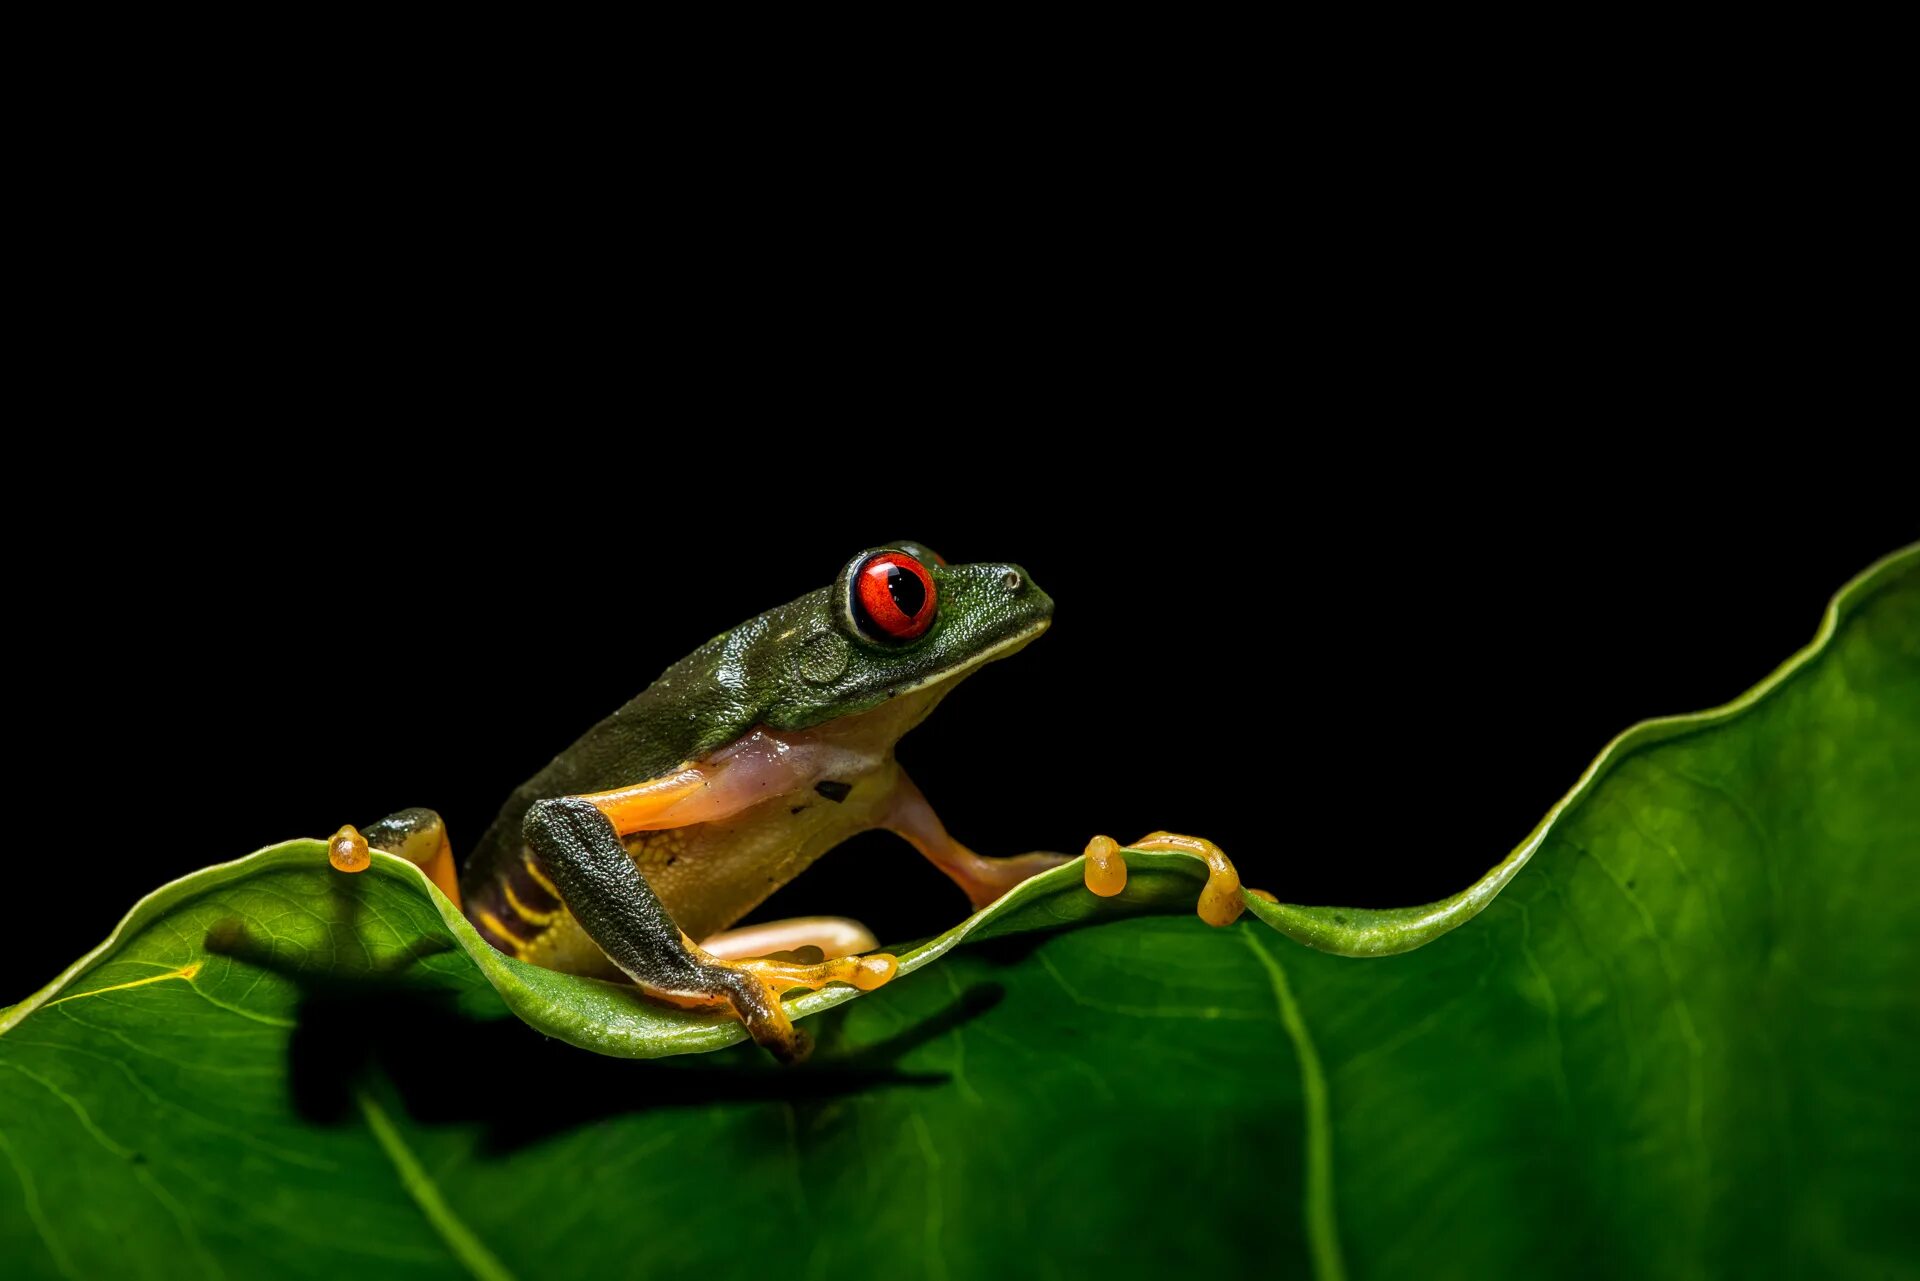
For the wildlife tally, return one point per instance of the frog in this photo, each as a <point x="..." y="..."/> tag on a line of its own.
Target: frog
<point x="633" y="854"/>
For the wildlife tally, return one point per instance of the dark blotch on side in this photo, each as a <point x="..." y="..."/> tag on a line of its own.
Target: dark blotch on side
<point x="833" y="791"/>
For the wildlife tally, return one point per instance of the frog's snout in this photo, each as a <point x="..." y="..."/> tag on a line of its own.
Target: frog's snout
<point x="1016" y="599"/>
<point x="1018" y="586"/>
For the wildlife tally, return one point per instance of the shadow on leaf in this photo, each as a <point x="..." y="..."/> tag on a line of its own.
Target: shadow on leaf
<point x="449" y="1067"/>
<point x="523" y="1088"/>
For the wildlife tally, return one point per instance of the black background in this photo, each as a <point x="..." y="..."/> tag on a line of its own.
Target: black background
<point x="1384" y="462"/>
<point x="1370" y="519"/>
<point x="1366" y="680"/>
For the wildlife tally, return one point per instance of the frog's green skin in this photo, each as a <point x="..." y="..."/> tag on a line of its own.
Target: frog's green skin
<point x="554" y="882"/>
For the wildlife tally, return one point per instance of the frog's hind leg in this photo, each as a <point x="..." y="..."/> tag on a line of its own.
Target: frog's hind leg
<point x="417" y="835"/>
<point x="907" y="814"/>
<point x="808" y="964"/>
<point x="580" y="850"/>
<point x="805" y="951"/>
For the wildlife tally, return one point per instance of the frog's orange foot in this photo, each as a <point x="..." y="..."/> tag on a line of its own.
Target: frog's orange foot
<point x="1220" y="901"/>
<point x="864" y="972"/>
<point x="784" y="973"/>
<point x="417" y="835"/>
<point x="753" y="988"/>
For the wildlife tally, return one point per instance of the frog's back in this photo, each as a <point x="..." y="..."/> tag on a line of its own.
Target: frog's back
<point x="684" y="715"/>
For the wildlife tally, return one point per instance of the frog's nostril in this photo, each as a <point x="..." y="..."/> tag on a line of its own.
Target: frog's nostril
<point x="1012" y="581"/>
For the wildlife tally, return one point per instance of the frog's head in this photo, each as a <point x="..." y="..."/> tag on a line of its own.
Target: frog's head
<point x="897" y="621"/>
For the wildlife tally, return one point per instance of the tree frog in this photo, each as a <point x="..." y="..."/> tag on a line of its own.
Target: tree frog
<point x="742" y="764"/>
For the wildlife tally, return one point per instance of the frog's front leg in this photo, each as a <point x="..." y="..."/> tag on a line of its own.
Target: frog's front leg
<point x="579" y="847"/>
<point x="417" y="835"/>
<point x="907" y="814"/>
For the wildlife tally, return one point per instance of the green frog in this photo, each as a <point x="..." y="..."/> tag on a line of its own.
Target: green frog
<point x="634" y="851"/>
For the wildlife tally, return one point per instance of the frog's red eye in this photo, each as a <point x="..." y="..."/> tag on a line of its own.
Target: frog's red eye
<point x="893" y="597"/>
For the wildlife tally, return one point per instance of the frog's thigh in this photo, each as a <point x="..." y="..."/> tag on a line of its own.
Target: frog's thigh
<point x="578" y="848"/>
<point x="907" y="814"/>
<point x="417" y="835"/>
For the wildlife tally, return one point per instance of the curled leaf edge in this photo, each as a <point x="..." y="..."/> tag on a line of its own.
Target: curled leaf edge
<point x="1156" y="881"/>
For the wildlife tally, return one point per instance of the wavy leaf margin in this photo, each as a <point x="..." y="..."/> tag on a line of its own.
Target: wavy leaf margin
<point x="611" y="1018"/>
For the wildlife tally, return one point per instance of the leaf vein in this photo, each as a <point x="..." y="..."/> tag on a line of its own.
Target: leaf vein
<point x="35" y="1213"/>
<point x="460" y="1239"/>
<point x="936" y="1262"/>
<point x="1322" y="1223"/>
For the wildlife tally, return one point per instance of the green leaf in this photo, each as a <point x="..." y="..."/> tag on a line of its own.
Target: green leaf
<point x="1680" y="1038"/>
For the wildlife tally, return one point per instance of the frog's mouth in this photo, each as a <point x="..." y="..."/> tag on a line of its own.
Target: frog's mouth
<point x="999" y="649"/>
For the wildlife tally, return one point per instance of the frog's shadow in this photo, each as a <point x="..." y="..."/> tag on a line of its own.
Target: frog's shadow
<point x="522" y="1087"/>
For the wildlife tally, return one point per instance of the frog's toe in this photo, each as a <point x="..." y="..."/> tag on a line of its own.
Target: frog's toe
<point x="417" y="835"/>
<point x="1106" y="872"/>
<point x="1220" y="900"/>
<point x="347" y="850"/>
